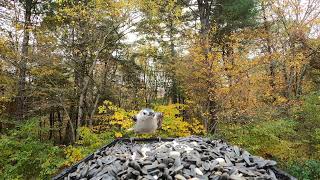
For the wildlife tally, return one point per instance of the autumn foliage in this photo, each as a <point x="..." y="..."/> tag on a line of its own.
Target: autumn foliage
<point x="73" y="73"/>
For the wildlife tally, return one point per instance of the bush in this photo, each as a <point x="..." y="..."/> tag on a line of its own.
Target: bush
<point x="307" y="170"/>
<point x="24" y="156"/>
<point x="288" y="141"/>
<point x="271" y="139"/>
<point x="88" y="143"/>
<point x="174" y="125"/>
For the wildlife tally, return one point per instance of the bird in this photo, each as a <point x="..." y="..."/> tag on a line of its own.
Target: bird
<point x="147" y="121"/>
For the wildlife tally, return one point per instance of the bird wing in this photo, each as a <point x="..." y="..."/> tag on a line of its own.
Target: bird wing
<point x="159" y="117"/>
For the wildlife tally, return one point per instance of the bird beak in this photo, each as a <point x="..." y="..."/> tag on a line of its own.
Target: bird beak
<point x="134" y="118"/>
<point x="151" y="114"/>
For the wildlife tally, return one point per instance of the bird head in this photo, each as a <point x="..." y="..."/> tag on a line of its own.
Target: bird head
<point x="144" y="114"/>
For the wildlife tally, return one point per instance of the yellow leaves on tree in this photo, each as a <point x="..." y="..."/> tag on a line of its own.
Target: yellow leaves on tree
<point x="119" y="117"/>
<point x="173" y="123"/>
<point x="119" y="120"/>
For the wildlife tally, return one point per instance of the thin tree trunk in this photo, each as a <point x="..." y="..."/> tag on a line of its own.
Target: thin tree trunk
<point x="94" y="110"/>
<point x="21" y="109"/>
<point x="40" y="129"/>
<point x="145" y="85"/>
<point x="85" y="86"/>
<point x="272" y="75"/>
<point x="174" y="89"/>
<point x="300" y="80"/>
<point x="205" y="7"/>
<point x="70" y="124"/>
<point x="290" y="81"/>
<point x="51" y="122"/>
<point x="286" y="80"/>
<point x="60" y="120"/>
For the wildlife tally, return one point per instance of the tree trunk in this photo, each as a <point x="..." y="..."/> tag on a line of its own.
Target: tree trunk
<point x="70" y="130"/>
<point x="60" y="120"/>
<point x="213" y="118"/>
<point x="94" y="108"/>
<point x="40" y="129"/>
<point x="286" y="79"/>
<point x="290" y="82"/>
<point x="21" y="109"/>
<point x="205" y="7"/>
<point x="85" y="86"/>
<point x="272" y="75"/>
<point x="174" y="88"/>
<point x="300" y="80"/>
<point x="51" y="122"/>
<point x="272" y="79"/>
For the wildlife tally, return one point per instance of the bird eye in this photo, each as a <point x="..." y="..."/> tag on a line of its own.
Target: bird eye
<point x="144" y="113"/>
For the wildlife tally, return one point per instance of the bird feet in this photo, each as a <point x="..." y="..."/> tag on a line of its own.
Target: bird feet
<point x="131" y="139"/>
<point x="159" y="138"/>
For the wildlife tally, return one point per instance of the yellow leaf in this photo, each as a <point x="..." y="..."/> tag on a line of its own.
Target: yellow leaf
<point x="118" y="134"/>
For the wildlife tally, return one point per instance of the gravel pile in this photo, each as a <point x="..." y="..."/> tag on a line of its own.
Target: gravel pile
<point x="184" y="158"/>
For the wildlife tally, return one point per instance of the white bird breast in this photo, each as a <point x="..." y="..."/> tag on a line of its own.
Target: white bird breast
<point x="146" y="126"/>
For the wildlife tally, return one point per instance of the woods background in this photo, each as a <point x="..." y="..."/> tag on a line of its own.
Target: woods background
<point x="73" y="72"/>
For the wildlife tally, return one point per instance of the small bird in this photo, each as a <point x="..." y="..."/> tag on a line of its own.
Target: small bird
<point x="147" y="121"/>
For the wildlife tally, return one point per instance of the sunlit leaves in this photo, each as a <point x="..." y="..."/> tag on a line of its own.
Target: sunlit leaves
<point x="173" y="124"/>
<point x="119" y="118"/>
<point x="73" y="155"/>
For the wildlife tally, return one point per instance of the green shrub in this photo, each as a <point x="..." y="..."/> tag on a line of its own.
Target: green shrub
<point x="308" y="170"/>
<point x="271" y="139"/>
<point x="89" y="142"/>
<point x="23" y="156"/>
<point x="288" y="141"/>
